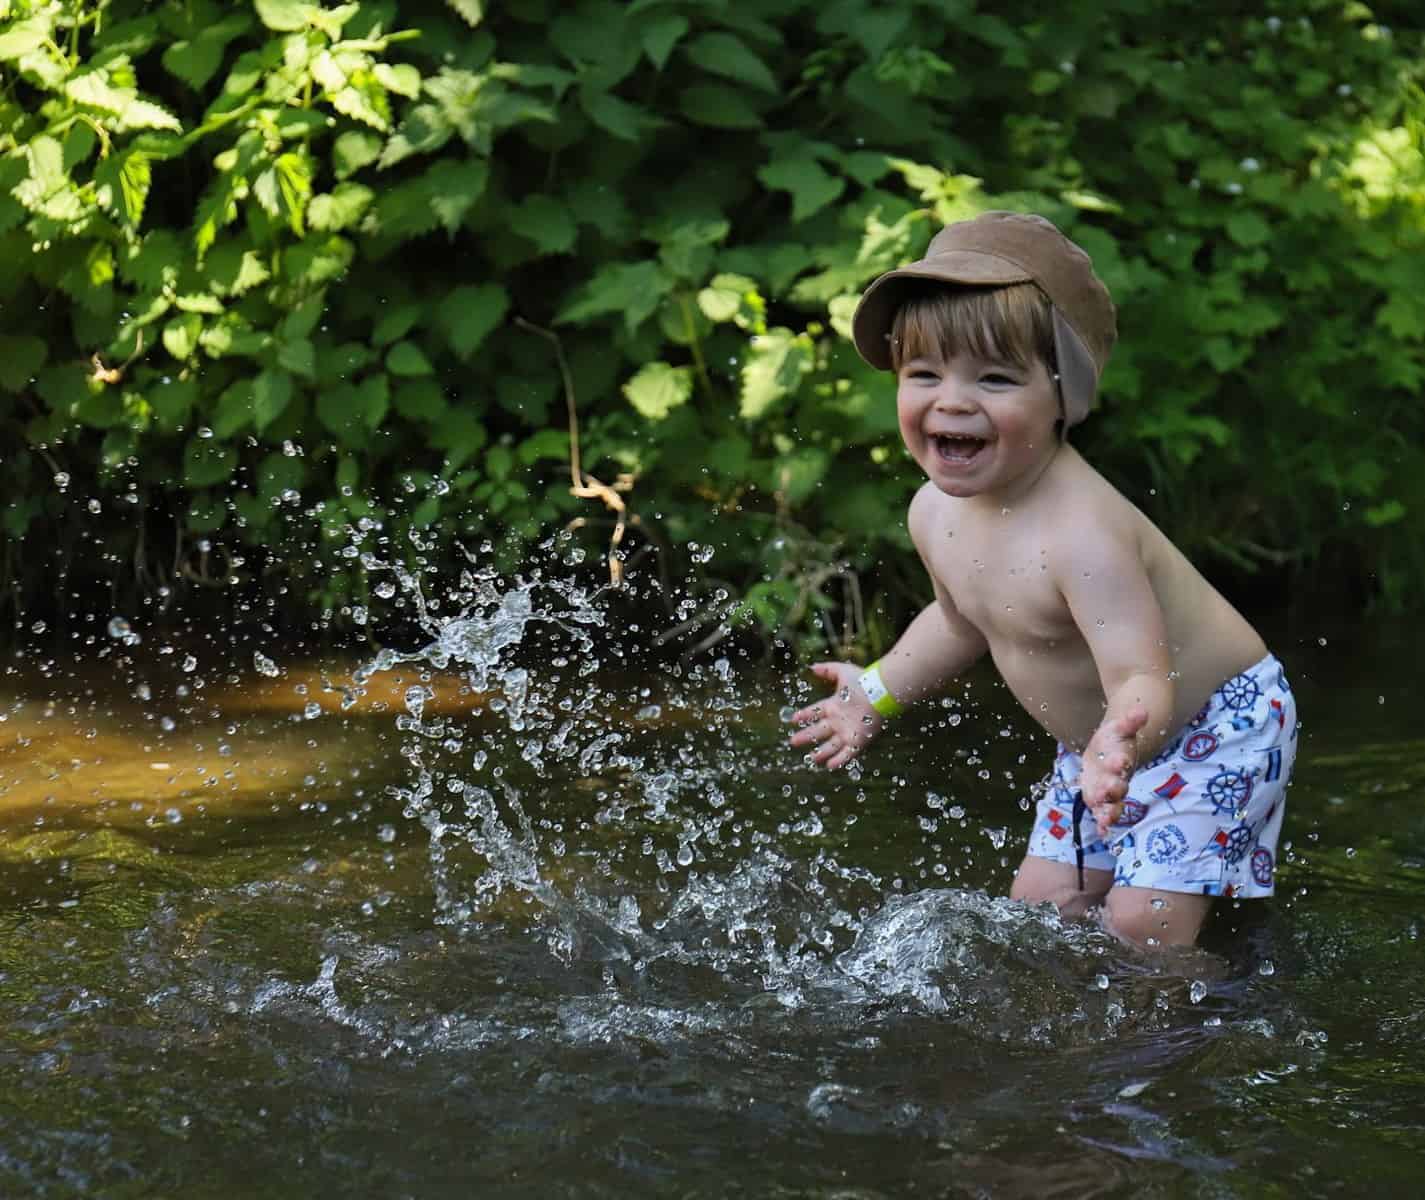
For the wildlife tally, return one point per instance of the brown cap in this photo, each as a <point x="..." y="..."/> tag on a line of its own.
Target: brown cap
<point x="1003" y="248"/>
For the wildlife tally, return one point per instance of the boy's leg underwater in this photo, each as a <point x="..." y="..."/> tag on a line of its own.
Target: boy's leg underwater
<point x="1039" y="879"/>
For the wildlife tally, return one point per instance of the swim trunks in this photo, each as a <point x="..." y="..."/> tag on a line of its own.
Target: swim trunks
<point x="1205" y="814"/>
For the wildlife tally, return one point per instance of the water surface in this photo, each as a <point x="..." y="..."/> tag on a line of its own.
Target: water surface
<point x="500" y="913"/>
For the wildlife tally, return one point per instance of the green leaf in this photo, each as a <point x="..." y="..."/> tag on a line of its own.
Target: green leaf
<point x="795" y="476"/>
<point x="1385" y="514"/>
<point x="658" y="388"/>
<point x="420" y="400"/>
<point x="352" y="413"/>
<point x="619" y="117"/>
<point x="280" y="473"/>
<point x="1247" y="229"/>
<point x="303" y="319"/>
<point x="726" y="55"/>
<point x="172" y="403"/>
<point x="207" y="462"/>
<point x="811" y="186"/>
<point x="271" y="393"/>
<point x="468" y="314"/>
<point x="396" y="324"/>
<point x="207" y="513"/>
<point x="460" y="435"/>
<point x="21" y="356"/>
<point x="546" y="222"/>
<point x="299" y="357"/>
<point x="424" y="130"/>
<point x="660" y="35"/>
<point x="407" y="360"/>
<point x="1404" y="315"/>
<point x="718" y="106"/>
<point x="633" y="289"/>
<point x="453" y="187"/>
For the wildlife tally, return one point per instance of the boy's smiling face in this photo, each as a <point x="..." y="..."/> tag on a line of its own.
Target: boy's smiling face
<point x="976" y="426"/>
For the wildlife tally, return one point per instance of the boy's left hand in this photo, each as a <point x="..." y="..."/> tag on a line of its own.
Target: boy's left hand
<point x="1109" y="760"/>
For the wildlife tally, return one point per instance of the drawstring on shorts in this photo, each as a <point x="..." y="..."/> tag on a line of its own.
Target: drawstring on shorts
<point x="1079" y="809"/>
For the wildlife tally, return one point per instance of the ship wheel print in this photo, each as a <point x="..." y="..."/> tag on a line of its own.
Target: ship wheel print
<point x="1229" y="790"/>
<point x="1236" y="844"/>
<point x="1240" y="692"/>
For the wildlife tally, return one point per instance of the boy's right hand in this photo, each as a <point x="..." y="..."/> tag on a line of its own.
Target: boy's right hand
<point x="843" y="724"/>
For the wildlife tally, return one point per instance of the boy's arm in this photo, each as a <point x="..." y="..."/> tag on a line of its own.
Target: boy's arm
<point x="934" y="648"/>
<point x="1113" y="604"/>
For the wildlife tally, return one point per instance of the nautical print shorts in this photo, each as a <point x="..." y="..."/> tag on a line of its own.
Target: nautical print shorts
<point x="1205" y="814"/>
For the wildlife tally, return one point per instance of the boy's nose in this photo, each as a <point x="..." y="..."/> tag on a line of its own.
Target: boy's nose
<point x="953" y="396"/>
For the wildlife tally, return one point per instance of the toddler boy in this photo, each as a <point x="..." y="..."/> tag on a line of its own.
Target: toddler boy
<point x="1176" y="727"/>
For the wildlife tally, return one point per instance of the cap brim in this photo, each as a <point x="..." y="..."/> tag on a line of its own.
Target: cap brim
<point x="871" y="323"/>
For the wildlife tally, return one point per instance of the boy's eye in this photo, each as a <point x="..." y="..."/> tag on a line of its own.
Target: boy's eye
<point x="997" y="379"/>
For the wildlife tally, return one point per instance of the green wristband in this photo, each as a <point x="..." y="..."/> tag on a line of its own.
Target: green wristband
<point x="878" y="693"/>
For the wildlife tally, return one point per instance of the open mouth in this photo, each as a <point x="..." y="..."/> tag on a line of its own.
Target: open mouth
<point x="955" y="448"/>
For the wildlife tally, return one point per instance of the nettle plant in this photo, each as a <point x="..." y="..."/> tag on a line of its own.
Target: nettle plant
<point x="290" y="283"/>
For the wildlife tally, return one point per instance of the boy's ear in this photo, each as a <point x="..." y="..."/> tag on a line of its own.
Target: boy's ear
<point x="1078" y="375"/>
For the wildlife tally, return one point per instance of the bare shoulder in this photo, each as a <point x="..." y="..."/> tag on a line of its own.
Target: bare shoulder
<point x="928" y="511"/>
<point x="1090" y="520"/>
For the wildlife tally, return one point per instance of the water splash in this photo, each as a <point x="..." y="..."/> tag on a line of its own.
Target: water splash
<point x="660" y="872"/>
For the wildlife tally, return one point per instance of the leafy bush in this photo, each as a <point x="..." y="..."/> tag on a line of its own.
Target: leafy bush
<point x="294" y="282"/>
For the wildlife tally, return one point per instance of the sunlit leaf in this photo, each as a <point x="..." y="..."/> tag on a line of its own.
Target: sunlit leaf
<point x="658" y="388"/>
<point x="285" y="16"/>
<point x="633" y="289"/>
<point x="775" y="364"/>
<point x="473" y="11"/>
<point x="180" y="335"/>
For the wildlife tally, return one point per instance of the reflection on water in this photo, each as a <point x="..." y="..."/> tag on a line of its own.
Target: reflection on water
<point x="497" y="911"/>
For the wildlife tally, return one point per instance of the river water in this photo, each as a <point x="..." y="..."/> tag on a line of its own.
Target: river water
<point x="505" y="911"/>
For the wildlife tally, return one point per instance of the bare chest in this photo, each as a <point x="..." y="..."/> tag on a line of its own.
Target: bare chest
<point x="1000" y="582"/>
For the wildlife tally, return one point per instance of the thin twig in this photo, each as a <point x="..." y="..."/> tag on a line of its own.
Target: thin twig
<point x="587" y="487"/>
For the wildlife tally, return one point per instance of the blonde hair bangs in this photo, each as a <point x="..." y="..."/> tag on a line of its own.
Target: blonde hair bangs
<point x="1011" y="324"/>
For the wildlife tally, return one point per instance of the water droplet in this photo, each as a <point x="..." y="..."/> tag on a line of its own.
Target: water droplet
<point x="1197" y="992"/>
<point x="119" y="628"/>
<point x="1266" y="967"/>
<point x="61" y="480"/>
<point x="1101" y="982"/>
<point x="387" y="833"/>
<point x="264" y="665"/>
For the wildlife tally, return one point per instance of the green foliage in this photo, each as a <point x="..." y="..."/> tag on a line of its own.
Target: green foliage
<point x="266" y="260"/>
